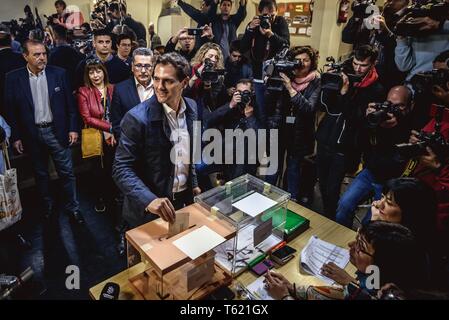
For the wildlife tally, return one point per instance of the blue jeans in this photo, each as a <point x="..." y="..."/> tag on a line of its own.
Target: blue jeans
<point x="359" y="190"/>
<point x="62" y="158"/>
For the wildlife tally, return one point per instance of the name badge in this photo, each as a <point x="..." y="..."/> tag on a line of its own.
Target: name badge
<point x="290" y="120"/>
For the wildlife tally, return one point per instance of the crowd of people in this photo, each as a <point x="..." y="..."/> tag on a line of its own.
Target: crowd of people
<point x="144" y="101"/>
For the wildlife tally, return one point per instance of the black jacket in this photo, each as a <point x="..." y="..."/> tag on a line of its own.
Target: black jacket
<point x="298" y="138"/>
<point x="118" y="70"/>
<point x="340" y="129"/>
<point x="66" y="57"/>
<point x="258" y="50"/>
<point x="9" y="61"/>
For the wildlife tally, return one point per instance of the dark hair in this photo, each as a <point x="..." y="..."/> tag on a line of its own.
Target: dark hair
<point x="221" y="1"/>
<point x="114" y="6"/>
<point x="267" y="3"/>
<point x="418" y="205"/>
<point x="5" y="40"/>
<point x="235" y="46"/>
<point x="123" y="36"/>
<point x="443" y="57"/>
<point x="102" y="32"/>
<point x="30" y="42"/>
<point x="180" y="63"/>
<point x="366" y="51"/>
<point x="245" y="81"/>
<point x="312" y="53"/>
<point x="395" y="253"/>
<point x="60" y="3"/>
<point x="94" y="64"/>
<point x="60" y="31"/>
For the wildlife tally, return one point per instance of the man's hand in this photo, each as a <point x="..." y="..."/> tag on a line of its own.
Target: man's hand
<point x="427" y="23"/>
<point x="18" y="146"/>
<point x="73" y="137"/>
<point x="345" y="88"/>
<point x="430" y="160"/>
<point x="163" y="208"/>
<point x="382" y="23"/>
<point x="231" y="91"/>
<point x="414" y="137"/>
<point x="266" y="32"/>
<point x="236" y="99"/>
<point x="277" y="285"/>
<point x="175" y="39"/>
<point x="207" y="32"/>
<point x="196" y="191"/>
<point x="334" y="272"/>
<point x="391" y="122"/>
<point x="254" y="23"/>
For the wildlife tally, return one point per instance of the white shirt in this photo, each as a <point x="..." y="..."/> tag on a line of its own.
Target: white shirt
<point x="41" y="99"/>
<point x="180" y="154"/>
<point x="145" y="93"/>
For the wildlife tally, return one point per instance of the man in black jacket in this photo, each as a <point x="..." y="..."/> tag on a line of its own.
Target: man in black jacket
<point x="264" y="44"/>
<point x="189" y="45"/>
<point x="117" y="12"/>
<point x="9" y="60"/>
<point x="119" y="67"/>
<point x="337" y="136"/>
<point x="381" y="160"/>
<point x="198" y="15"/>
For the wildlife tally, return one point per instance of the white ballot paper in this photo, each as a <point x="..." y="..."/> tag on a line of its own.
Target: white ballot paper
<point x="257" y="289"/>
<point x="318" y="252"/>
<point x="254" y="204"/>
<point x="198" y="242"/>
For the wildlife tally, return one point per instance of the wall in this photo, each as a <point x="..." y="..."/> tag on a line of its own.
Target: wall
<point x="13" y="9"/>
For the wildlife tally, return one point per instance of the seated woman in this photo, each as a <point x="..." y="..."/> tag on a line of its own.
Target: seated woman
<point x="406" y="201"/>
<point x="94" y="101"/>
<point x="389" y="246"/>
<point x="209" y="95"/>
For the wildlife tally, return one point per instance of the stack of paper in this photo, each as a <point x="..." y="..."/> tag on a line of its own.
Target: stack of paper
<point x="254" y="204"/>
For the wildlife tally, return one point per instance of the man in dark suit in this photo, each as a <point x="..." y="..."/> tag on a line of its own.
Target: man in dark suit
<point x="153" y="182"/>
<point x="131" y="92"/>
<point x="9" y="60"/>
<point x="41" y="111"/>
<point x="119" y="67"/>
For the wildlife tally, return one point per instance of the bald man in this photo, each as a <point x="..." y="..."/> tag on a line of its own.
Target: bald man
<point x="380" y="161"/>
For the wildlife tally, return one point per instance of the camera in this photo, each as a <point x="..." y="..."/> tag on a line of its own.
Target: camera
<point x="333" y="80"/>
<point x="433" y="140"/>
<point x="210" y="74"/>
<point x="265" y="21"/>
<point x="280" y="63"/>
<point x="246" y="97"/>
<point x="423" y="82"/>
<point x="381" y="114"/>
<point x="436" y="10"/>
<point x="359" y="8"/>
<point x="194" y="31"/>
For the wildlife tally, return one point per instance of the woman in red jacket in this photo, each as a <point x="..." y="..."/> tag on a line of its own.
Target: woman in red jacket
<point x="94" y="102"/>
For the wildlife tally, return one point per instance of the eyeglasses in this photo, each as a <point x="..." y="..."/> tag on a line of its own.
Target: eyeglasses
<point x="359" y="246"/>
<point x="143" y="66"/>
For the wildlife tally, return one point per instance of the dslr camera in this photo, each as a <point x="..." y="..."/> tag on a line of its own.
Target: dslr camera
<point x="359" y="8"/>
<point x="280" y="63"/>
<point x="210" y="74"/>
<point x="375" y="118"/>
<point x="433" y="140"/>
<point x="265" y="21"/>
<point x="436" y="10"/>
<point x="246" y="97"/>
<point x="332" y="80"/>
<point x="423" y="82"/>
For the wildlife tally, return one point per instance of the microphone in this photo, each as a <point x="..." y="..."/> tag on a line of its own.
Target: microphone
<point x="110" y="291"/>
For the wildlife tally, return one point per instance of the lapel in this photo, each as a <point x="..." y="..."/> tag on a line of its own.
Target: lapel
<point x="157" y="114"/>
<point x="51" y="84"/>
<point x="133" y="95"/>
<point x="25" y="84"/>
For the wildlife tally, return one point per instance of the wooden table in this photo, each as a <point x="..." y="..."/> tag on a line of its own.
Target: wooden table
<point x="320" y="226"/>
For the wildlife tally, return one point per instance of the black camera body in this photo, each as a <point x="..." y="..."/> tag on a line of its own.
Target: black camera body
<point x="194" y="31"/>
<point x="246" y="97"/>
<point x="265" y="21"/>
<point x="210" y="74"/>
<point x="280" y="63"/>
<point x="423" y="82"/>
<point x="433" y="140"/>
<point x="359" y="8"/>
<point x="333" y="80"/>
<point x="375" y="118"/>
<point x="438" y="11"/>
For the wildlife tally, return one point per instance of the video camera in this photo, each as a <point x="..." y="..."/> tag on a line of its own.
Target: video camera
<point x="333" y="80"/>
<point x="423" y="82"/>
<point x="436" y="10"/>
<point x="360" y="7"/>
<point x="280" y="63"/>
<point x="265" y="21"/>
<point x="375" y="118"/>
<point x="209" y="73"/>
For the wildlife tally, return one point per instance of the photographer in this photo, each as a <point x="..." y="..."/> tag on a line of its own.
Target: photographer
<point x="264" y="38"/>
<point x="200" y="16"/>
<point x="236" y="68"/>
<point x="225" y="25"/>
<point x="237" y="114"/>
<point x="416" y="53"/>
<point x="384" y="130"/>
<point x="209" y="95"/>
<point x="338" y="151"/>
<point x="188" y="43"/>
<point x="69" y="18"/>
<point x="296" y="106"/>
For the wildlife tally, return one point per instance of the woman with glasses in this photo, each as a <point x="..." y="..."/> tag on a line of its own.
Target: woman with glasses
<point x="94" y="101"/>
<point x="387" y="247"/>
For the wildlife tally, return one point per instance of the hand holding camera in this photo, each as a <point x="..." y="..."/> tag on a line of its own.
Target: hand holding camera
<point x="383" y="115"/>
